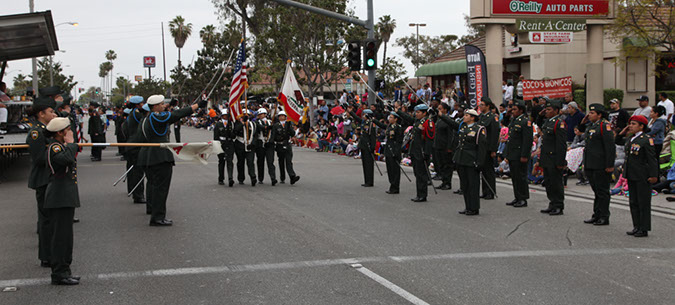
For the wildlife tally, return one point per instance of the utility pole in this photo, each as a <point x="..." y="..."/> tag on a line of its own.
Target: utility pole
<point x="31" y="5"/>
<point x="164" y="53"/>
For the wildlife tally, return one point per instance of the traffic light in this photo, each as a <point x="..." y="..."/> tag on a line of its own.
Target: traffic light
<point x="354" y="55"/>
<point x="370" y="55"/>
<point x="96" y="90"/>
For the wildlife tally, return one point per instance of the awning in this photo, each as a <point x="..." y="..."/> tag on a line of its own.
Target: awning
<point x="27" y="35"/>
<point x="442" y="68"/>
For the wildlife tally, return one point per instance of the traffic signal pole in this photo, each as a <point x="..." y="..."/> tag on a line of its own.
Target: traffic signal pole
<point x="368" y="24"/>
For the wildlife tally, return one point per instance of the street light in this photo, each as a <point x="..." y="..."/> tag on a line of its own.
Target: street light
<point x="417" y="42"/>
<point x="69" y="23"/>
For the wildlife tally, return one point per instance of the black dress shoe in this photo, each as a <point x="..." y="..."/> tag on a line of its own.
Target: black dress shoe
<point x="520" y="204"/>
<point x="635" y="230"/>
<point x="295" y="179"/>
<point x="241" y="182"/>
<point x="417" y="199"/>
<point x="591" y="220"/>
<point x="161" y="223"/>
<point x="458" y="192"/>
<point x="367" y="185"/>
<point x="556" y="212"/>
<point x="274" y="182"/>
<point x="512" y="202"/>
<point x="221" y="182"/>
<point x="601" y="222"/>
<point x="444" y="187"/>
<point x="641" y="234"/>
<point x="471" y="213"/>
<point x="463" y="212"/>
<point x="45" y="264"/>
<point x="253" y="183"/>
<point x="483" y="196"/>
<point x="260" y="182"/>
<point x="231" y="183"/>
<point x="76" y="220"/>
<point x="282" y="182"/>
<point x="68" y="281"/>
<point x="546" y="211"/>
<point x="391" y="192"/>
<point x="489" y="197"/>
<point x="140" y="201"/>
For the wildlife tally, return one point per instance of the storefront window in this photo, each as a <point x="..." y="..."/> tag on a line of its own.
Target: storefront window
<point x="636" y="75"/>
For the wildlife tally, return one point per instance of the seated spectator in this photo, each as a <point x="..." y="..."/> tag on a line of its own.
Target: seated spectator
<point x="503" y="170"/>
<point x="575" y="155"/>
<point x="621" y="187"/>
<point x="537" y="174"/>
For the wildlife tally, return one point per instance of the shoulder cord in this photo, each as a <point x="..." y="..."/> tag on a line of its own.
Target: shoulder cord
<point x="166" y="128"/>
<point x="433" y="130"/>
<point x="49" y="160"/>
<point x="134" y="115"/>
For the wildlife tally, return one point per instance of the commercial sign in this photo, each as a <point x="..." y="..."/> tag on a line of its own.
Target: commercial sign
<point x="550" y="37"/>
<point x="550" y="25"/>
<point x="138" y="78"/>
<point x="591" y="8"/>
<point x="476" y="68"/>
<point x="552" y="88"/>
<point x="148" y="61"/>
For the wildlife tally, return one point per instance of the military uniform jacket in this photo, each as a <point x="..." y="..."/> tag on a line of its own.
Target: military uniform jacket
<point x="224" y="133"/>
<point x="368" y="133"/>
<point x="421" y="142"/>
<point x="118" y="124"/>
<point x="520" y="139"/>
<point x="600" y="151"/>
<point x="134" y="134"/>
<point x="263" y="133"/>
<point x="62" y="191"/>
<point x="491" y="123"/>
<point x="444" y="136"/>
<point x="282" y="133"/>
<point x="71" y="117"/>
<point x="394" y="136"/>
<point x="245" y="134"/>
<point x="37" y="146"/>
<point x="554" y="143"/>
<point x="472" y="145"/>
<point x="95" y="126"/>
<point x="641" y="156"/>
<point x="155" y="129"/>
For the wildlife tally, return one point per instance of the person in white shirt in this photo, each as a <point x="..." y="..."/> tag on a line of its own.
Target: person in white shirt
<point x="519" y="87"/>
<point x="668" y="104"/>
<point x="644" y="110"/>
<point x="508" y="94"/>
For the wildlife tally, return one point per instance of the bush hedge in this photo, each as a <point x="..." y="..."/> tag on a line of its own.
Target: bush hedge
<point x="608" y="95"/>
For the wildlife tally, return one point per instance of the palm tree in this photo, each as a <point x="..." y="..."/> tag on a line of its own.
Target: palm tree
<point x="110" y="55"/>
<point x="180" y="32"/>
<point x="385" y="27"/>
<point x="208" y="34"/>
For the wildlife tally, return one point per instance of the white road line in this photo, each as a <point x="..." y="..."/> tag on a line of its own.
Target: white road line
<point x="343" y="261"/>
<point x="391" y="286"/>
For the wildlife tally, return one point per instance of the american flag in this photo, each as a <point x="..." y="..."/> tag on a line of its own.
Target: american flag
<point x="239" y="83"/>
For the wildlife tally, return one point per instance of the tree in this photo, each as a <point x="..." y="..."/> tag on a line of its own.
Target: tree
<point x="208" y="34"/>
<point x="475" y="31"/>
<point x="66" y="83"/>
<point x="110" y="55"/>
<point x="252" y="12"/>
<point x="644" y="29"/>
<point x="384" y="29"/>
<point x="21" y="83"/>
<point x="180" y="32"/>
<point x="392" y="72"/>
<point x="430" y="48"/>
<point x="149" y="87"/>
<point x="91" y="96"/>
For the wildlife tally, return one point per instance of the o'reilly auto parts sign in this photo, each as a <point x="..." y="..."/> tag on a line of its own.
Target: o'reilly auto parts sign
<point x="590" y="8"/>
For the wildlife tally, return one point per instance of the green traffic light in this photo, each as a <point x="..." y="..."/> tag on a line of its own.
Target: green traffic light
<point x="371" y="62"/>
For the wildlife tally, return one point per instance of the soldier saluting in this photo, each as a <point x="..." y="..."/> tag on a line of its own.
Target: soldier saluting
<point x="264" y="147"/>
<point x="244" y="147"/>
<point x="224" y="132"/>
<point x="552" y="158"/>
<point x="518" y="151"/>
<point x="366" y="145"/>
<point x="490" y="121"/>
<point x="392" y="151"/>
<point x="282" y="131"/>
<point x="422" y="135"/>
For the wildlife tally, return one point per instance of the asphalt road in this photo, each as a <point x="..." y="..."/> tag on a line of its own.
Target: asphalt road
<point x="326" y="240"/>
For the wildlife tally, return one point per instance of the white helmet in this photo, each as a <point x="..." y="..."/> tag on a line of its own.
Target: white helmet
<point x="262" y="111"/>
<point x="281" y="113"/>
<point x="224" y="112"/>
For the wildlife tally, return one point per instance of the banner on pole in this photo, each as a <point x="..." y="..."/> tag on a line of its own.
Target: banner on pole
<point x="477" y="80"/>
<point x="551" y="88"/>
<point x="291" y="96"/>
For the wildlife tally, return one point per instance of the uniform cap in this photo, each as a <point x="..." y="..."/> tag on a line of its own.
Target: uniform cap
<point x="44" y="101"/>
<point x="281" y="113"/>
<point x="67" y="98"/>
<point x="50" y="91"/>
<point x="368" y="111"/>
<point x="395" y="114"/>
<point x="262" y="111"/>
<point x="517" y="102"/>
<point x="596" y="107"/>
<point x="554" y="103"/>
<point x="58" y="124"/>
<point x="156" y="99"/>
<point x="127" y="110"/>
<point x="146" y="107"/>
<point x="136" y="99"/>
<point x="421" y="107"/>
<point x="640" y="119"/>
<point x="471" y="112"/>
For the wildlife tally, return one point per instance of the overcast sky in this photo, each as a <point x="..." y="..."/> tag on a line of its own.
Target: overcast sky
<point x="133" y="30"/>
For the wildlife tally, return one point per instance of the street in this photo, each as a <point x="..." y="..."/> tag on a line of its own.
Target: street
<point x="327" y="240"/>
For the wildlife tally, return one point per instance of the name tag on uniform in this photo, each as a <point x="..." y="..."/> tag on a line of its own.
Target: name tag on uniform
<point x="471" y="134"/>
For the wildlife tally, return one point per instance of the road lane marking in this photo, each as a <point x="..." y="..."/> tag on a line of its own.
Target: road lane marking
<point x="389" y="285"/>
<point x="343" y="261"/>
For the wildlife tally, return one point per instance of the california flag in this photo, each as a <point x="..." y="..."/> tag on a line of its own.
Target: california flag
<point x="194" y="151"/>
<point x="291" y="96"/>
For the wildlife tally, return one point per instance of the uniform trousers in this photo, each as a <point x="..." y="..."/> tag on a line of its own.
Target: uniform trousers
<point x="640" y="200"/>
<point x="244" y="159"/>
<point x="599" y="180"/>
<point x="421" y="176"/>
<point x="44" y="227"/>
<point x="159" y="182"/>
<point x="226" y="158"/>
<point x="519" y="179"/>
<point x="489" y="182"/>
<point x="285" y="155"/>
<point x="262" y="154"/>
<point x="61" y="220"/>
<point x="555" y="190"/>
<point x="368" y="164"/>
<point x="442" y="165"/>
<point x="393" y="173"/>
<point x="469" y="181"/>
<point x="176" y="132"/>
<point x="134" y="177"/>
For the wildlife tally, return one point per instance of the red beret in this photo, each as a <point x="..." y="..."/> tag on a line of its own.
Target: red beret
<point x="640" y="119"/>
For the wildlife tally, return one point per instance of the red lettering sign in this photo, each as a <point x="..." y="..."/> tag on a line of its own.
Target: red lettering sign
<point x="588" y="8"/>
<point x="148" y="61"/>
<point x="552" y="88"/>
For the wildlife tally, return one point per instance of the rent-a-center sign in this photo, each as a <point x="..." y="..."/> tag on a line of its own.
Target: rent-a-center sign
<point x="551" y="7"/>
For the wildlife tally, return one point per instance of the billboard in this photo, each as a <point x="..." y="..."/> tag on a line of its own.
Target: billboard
<point x="590" y="8"/>
<point x="148" y="61"/>
<point x="552" y="88"/>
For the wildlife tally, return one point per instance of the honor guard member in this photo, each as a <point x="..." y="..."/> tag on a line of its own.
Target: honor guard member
<point x="244" y="147"/>
<point x="224" y="133"/>
<point x="518" y="151"/>
<point x="420" y="148"/>
<point x="282" y="131"/>
<point x="135" y="135"/>
<point x="599" y="157"/>
<point x="552" y="157"/>
<point x="43" y="113"/>
<point x="490" y="121"/>
<point x="119" y="120"/>
<point x="469" y="157"/>
<point x="367" y="145"/>
<point x="442" y="150"/>
<point x="641" y="170"/>
<point x="392" y="151"/>
<point x="156" y="161"/>
<point x="264" y="149"/>
<point x="96" y="131"/>
<point x="61" y="199"/>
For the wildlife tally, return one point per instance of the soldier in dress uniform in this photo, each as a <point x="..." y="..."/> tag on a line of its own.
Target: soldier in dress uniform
<point x="134" y="135"/>
<point x="469" y="157"/>
<point x="156" y="161"/>
<point x="442" y="149"/>
<point x="518" y="151"/>
<point x="599" y="157"/>
<point x="367" y="145"/>
<point x="96" y="130"/>
<point x="61" y="199"/>
<point x="420" y="148"/>
<point x="282" y="131"/>
<point x="265" y="147"/>
<point x="244" y="147"/>
<point x="224" y="132"/>
<point x="392" y="151"/>
<point x="42" y="112"/>
<point x="552" y="157"/>
<point x="119" y="120"/>
<point x="490" y="121"/>
<point x="641" y="169"/>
